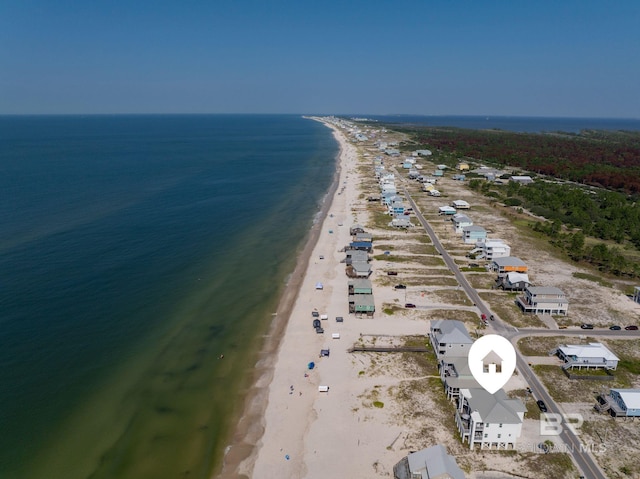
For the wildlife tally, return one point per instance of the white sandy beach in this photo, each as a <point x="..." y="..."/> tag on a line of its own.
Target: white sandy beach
<point x="312" y="434"/>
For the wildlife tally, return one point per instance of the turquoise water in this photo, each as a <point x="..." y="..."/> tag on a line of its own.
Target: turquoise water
<point x="134" y="250"/>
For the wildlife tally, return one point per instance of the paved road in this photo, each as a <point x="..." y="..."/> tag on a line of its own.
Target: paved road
<point x="582" y="458"/>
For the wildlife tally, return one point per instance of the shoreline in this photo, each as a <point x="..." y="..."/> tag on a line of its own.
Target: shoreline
<point x="244" y="445"/>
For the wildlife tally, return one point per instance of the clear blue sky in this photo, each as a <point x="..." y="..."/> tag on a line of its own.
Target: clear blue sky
<point x="539" y="58"/>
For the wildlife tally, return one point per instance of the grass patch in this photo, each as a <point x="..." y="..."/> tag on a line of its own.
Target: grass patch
<point x="390" y="309"/>
<point x="594" y="278"/>
<point x="378" y="404"/>
<point x="540" y="345"/>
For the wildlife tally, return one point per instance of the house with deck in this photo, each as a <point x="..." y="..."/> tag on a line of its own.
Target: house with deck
<point x="355" y="229"/>
<point x="401" y="222"/>
<point x="456" y="375"/>
<point x="587" y="356"/>
<point x="636" y="294"/>
<point x="360" y="286"/>
<point x="359" y="269"/>
<point x="508" y="264"/>
<point x="446" y="211"/>
<point x="491" y="249"/>
<point x="472" y="234"/>
<point x="522" y="179"/>
<point x="449" y="338"/>
<point x="355" y="255"/>
<point x="513" y="282"/>
<point x="362" y="304"/>
<point x="460" y="221"/>
<point x="489" y="420"/>
<point x="460" y="205"/>
<point x="543" y="300"/>
<point x="621" y="403"/>
<point x="430" y="463"/>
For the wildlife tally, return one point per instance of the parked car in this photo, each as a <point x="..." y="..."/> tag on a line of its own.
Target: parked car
<point x="633" y="327"/>
<point x="492" y="317"/>
<point x="409" y="305"/>
<point x="586" y="326"/>
<point x="615" y="327"/>
<point x="315" y="314"/>
<point x="400" y="286"/>
<point x="474" y="265"/>
<point x="319" y="330"/>
<point x="484" y="317"/>
<point x="316" y="323"/>
<point x="541" y="405"/>
<point x="392" y="273"/>
<point x="339" y="319"/>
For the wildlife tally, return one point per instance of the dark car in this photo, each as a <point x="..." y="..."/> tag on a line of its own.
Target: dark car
<point x="633" y="327"/>
<point x="319" y="330"/>
<point x="315" y="314"/>
<point x="392" y="273"/>
<point x="316" y="323"/>
<point x="409" y="305"/>
<point x="339" y="319"/>
<point x="400" y="286"/>
<point x="474" y="265"/>
<point x="542" y="405"/>
<point x="586" y="326"/>
<point x="615" y="328"/>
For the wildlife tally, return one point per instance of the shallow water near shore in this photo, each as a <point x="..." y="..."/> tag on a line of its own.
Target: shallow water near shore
<point x="134" y="251"/>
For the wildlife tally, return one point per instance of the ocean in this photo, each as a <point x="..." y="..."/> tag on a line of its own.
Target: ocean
<point x="520" y="124"/>
<point x="134" y="252"/>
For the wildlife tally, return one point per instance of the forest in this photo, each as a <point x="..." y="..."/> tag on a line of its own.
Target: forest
<point x="587" y="185"/>
<point x="606" y="159"/>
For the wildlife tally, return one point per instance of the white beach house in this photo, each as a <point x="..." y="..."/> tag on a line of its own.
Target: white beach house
<point x="588" y="356"/>
<point x="460" y="221"/>
<point x="489" y="420"/>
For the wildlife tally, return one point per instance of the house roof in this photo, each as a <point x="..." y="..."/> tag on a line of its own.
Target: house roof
<point x="493" y="408"/>
<point x="509" y="261"/>
<point x="446" y="208"/>
<point x="631" y="397"/>
<point x="461" y="365"/>
<point x="361" y="266"/>
<point x="360" y="283"/>
<point x="514" y="277"/>
<point x="460" y="218"/>
<point x="591" y="350"/>
<point x="452" y="331"/>
<point x="460" y="203"/>
<point x="474" y="228"/>
<point x="434" y="462"/>
<point x="362" y="299"/>
<point x="546" y="290"/>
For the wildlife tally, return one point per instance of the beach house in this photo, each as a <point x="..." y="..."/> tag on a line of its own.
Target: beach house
<point x="401" y="222"/>
<point x="449" y="338"/>
<point x="362" y="304"/>
<point x="621" y="403"/>
<point x="491" y="249"/>
<point x="513" y="282"/>
<point x="460" y="205"/>
<point x="462" y="166"/>
<point x="472" y="234"/>
<point x="446" y="210"/>
<point x="489" y="420"/>
<point x="355" y="255"/>
<point x="360" y="286"/>
<point x="456" y="375"/>
<point x="636" y="294"/>
<point x="430" y="463"/>
<point x="522" y="179"/>
<point x="543" y="300"/>
<point x="587" y="356"/>
<point x="508" y="264"/>
<point x="460" y="221"/>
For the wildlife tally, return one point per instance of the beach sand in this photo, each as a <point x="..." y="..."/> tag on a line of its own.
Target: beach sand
<point x="304" y="432"/>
